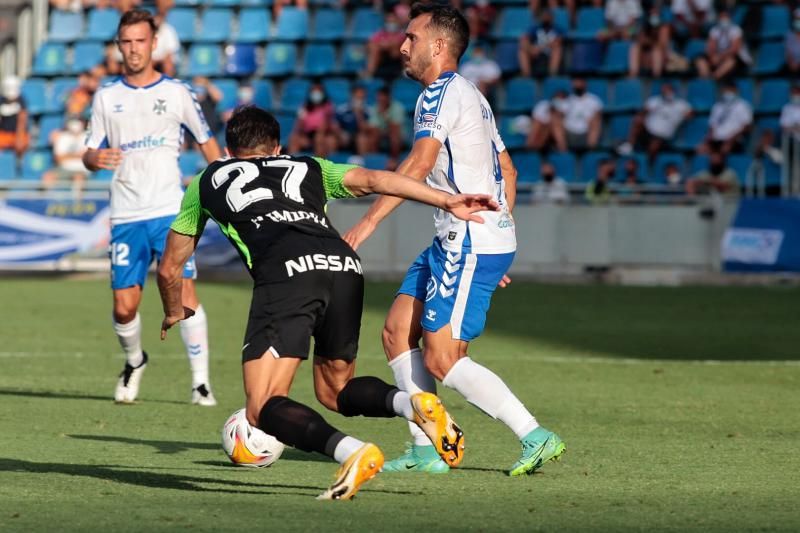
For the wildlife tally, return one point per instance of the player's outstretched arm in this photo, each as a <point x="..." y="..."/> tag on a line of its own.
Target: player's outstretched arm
<point x="103" y="158"/>
<point x="210" y="150"/>
<point x="178" y="250"/>
<point x="510" y="177"/>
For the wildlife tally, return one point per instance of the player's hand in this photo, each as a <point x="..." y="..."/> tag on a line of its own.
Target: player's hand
<point x="464" y="206"/>
<point x="359" y="233"/>
<point x="505" y="281"/>
<point x="170" y="321"/>
<point x="108" y="158"/>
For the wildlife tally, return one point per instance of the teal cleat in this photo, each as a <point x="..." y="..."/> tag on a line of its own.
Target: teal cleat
<point x="418" y="459"/>
<point x="538" y="447"/>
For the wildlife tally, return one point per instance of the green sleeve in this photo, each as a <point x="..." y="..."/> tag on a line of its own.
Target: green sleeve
<point x="191" y="219"/>
<point x="333" y="178"/>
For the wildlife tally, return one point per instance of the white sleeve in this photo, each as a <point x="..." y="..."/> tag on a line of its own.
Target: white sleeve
<point x="499" y="145"/>
<point x="785" y="120"/>
<point x="747" y="113"/>
<point x="96" y="136"/>
<point x="193" y="118"/>
<point x="438" y="111"/>
<point x="597" y="104"/>
<point x="651" y="104"/>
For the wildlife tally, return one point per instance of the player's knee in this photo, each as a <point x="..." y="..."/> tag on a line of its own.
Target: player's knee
<point x="439" y="363"/>
<point x="327" y="397"/>
<point x="124" y="312"/>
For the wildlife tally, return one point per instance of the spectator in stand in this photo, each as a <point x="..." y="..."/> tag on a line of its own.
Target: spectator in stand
<point x="351" y="121"/>
<point x="792" y="44"/>
<point x="244" y="96"/>
<point x="598" y="190"/>
<point x="277" y="6"/>
<point x="551" y="188"/>
<point x="790" y="114"/>
<point x="386" y="124"/>
<point x="632" y="182"/>
<point x="540" y="135"/>
<point x="208" y="96"/>
<point x="719" y="179"/>
<point x="68" y="148"/>
<point x="654" y="128"/>
<point x="578" y="121"/>
<point x="79" y="100"/>
<point x="673" y="174"/>
<point x="13" y="117"/>
<point x="691" y="16"/>
<point x="77" y="6"/>
<point x="480" y="16"/>
<point x="314" y="127"/>
<point x="481" y="70"/>
<point x="168" y="45"/>
<point x="650" y="48"/>
<point x="112" y="62"/>
<point x="622" y="19"/>
<point x="729" y="122"/>
<point x="726" y="51"/>
<point x="383" y="48"/>
<point x="541" y="48"/>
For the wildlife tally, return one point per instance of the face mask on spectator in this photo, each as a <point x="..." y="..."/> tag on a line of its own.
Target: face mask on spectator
<point x="11" y="87"/>
<point x="201" y="92"/>
<point x="74" y="126"/>
<point x="655" y="20"/>
<point x="796" y="99"/>
<point x="547" y="24"/>
<point x="669" y="96"/>
<point x="548" y="177"/>
<point x="728" y="96"/>
<point x="673" y="177"/>
<point x="796" y="24"/>
<point x="717" y="168"/>
<point x="392" y="27"/>
<point x="725" y="22"/>
<point x="245" y="95"/>
<point x="580" y="91"/>
<point x="316" y="97"/>
<point x="482" y="3"/>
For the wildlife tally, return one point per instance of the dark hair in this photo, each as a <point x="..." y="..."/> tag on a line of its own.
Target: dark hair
<point x="448" y="20"/>
<point x="252" y="129"/>
<point x="135" y="16"/>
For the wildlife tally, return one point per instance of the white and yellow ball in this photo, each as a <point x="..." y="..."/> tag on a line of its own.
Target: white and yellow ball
<point x="246" y="445"/>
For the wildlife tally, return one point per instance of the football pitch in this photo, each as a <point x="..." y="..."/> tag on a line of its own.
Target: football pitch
<point x="679" y="408"/>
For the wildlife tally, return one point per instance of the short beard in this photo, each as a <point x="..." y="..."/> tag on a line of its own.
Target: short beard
<point x="416" y="73"/>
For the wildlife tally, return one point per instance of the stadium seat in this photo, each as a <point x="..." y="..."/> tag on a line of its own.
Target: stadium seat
<point x="589" y="21"/>
<point x="661" y="162"/>
<point x="564" y="163"/>
<point x="599" y="88"/>
<point x="615" y="60"/>
<point x="50" y="59"/>
<point x="505" y="53"/>
<point x="187" y="2"/>
<point x="701" y="94"/>
<point x="746" y="89"/>
<point x="65" y="26"/>
<point x="552" y="84"/>
<point x="292" y="24"/>
<point x="509" y="131"/>
<point x="406" y="91"/>
<point x="182" y="19"/>
<point x="47" y="125"/>
<point x="281" y="59"/>
<point x="364" y="22"/>
<point x="286" y="121"/>
<point x="191" y="162"/>
<point x="589" y="163"/>
<point x="329" y="25"/>
<point x="8" y="165"/>
<point x="692" y="133"/>
<point x="319" y="59"/>
<point x="101" y="175"/>
<point x="102" y="24"/>
<point x="215" y="25"/>
<point x="86" y="55"/>
<point x="770" y="58"/>
<point x="768" y="123"/>
<point x="240" y="59"/>
<point x="641" y="159"/>
<point x="626" y="96"/>
<point x="262" y="93"/>
<point x="775" y="21"/>
<point x="294" y="94"/>
<point x="338" y="90"/>
<point x="377" y="161"/>
<point x="223" y="3"/>
<point x="512" y="23"/>
<point x="229" y="89"/>
<point x="774" y="94"/>
<point x="34" y="163"/>
<point x="520" y="95"/>
<point x="772" y="173"/>
<point x="339" y="157"/>
<point x="694" y="48"/>
<point x="586" y="56"/>
<point x="618" y="129"/>
<point x="354" y="58"/>
<point x="204" y="60"/>
<point x="560" y="18"/>
<point x="528" y="166"/>
<point x="34" y="91"/>
<point x="59" y="92"/>
<point x="740" y="163"/>
<point x="254" y="25"/>
<point x="698" y="164"/>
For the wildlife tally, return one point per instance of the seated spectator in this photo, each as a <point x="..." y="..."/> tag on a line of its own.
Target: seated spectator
<point x="597" y="190"/>
<point x="551" y="188"/>
<point x="480" y="16"/>
<point x="673" y="174"/>
<point x="578" y="121"/>
<point x="350" y="123"/>
<point x="79" y="100"/>
<point x="314" y="129"/>
<point x="385" y="126"/>
<point x="277" y="6"/>
<point x="654" y="128"/>
<point x="77" y="6"/>
<point x="718" y="179"/>
<point x="792" y="44"/>
<point x="13" y="117"/>
<point x="541" y="48"/>
<point x="540" y="135"/>
<point x="622" y="19"/>
<point x="68" y="148"/>
<point x="383" y="48"/>
<point x="112" y="61"/>
<point x="244" y="96"/>
<point x="730" y="120"/>
<point x="691" y="16"/>
<point x="726" y="51"/>
<point x="790" y="114"/>
<point x="481" y="70"/>
<point x="168" y="44"/>
<point x="650" y="48"/>
<point x="632" y="181"/>
<point x="208" y="96"/>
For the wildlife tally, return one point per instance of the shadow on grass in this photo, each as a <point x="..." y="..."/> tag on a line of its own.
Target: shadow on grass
<point x="161" y="446"/>
<point x="67" y="395"/>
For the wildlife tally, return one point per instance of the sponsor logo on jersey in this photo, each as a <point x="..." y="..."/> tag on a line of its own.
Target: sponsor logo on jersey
<point x="143" y="144"/>
<point x="118" y="108"/>
<point x="333" y="263"/>
<point x="290" y="216"/>
<point x="505" y="222"/>
<point x="430" y="289"/>
<point x="160" y="107"/>
<point x="431" y="314"/>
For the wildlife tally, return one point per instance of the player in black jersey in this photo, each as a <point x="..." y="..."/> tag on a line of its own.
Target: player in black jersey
<point x="307" y="282"/>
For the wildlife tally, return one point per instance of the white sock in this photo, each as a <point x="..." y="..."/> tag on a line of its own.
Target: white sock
<point x="484" y="389"/>
<point x="194" y="333"/>
<point x="130" y="338"/>
<point x="346" y="447"/>
<point x="401" y="403"/>
<point x="411" y="376"/>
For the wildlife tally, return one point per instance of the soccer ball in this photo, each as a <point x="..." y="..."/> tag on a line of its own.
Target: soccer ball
<point x="246" y="445"/>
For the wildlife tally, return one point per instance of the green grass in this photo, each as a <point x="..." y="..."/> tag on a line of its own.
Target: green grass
<point x="656" y="439"/>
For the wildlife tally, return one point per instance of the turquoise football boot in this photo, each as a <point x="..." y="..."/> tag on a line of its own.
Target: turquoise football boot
<point x="418" y="459"/>
<point x="538" y="447"/>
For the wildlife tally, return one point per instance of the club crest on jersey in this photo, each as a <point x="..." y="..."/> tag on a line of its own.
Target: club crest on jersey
<point x="117" y="108"/>
<point x="160" y="107"/>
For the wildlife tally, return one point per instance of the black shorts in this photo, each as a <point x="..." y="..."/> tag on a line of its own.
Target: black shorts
<point x="321" y="303"/>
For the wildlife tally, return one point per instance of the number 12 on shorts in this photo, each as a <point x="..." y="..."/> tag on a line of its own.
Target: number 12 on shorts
<point x="119" y="254"/>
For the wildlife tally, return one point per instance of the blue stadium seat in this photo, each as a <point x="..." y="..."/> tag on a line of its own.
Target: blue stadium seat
<point x="102" y="24"/>
<point x="520" y="95"/>
<point x="59" y="92"/>
<point x="772" y="173"/>
<point x="101" y="175"/>
<point x="339" y="157"/>
<point x="589" y="21"/>
<point x="512" y="138"/>
<point x="512" y="23"/>
<point x="586" y="56"/>
<point x="329" y="25"/>
<point x="215" y="25"/>
<point x="694" y="48"/>
<point x="768" y="123"/>
<point x="774" y="22"/>
<point x="262" y="93"/>
<point x="8" y="165"/>
<point x="560" y="18"/>
<point x="364" y="22"/>
<point x="372" y="85"/>
<point x="65" y="26"/>
<point x="50" y="59"/>
<point x="188" y="2"/>
<point x="692" y="133"/>
<point x="641" y="159"/>
<point x="554" y="83"/>
<point x="294" y="94"/>
<point x="626" y="96"/>
<point x="698" y="164"/>
<point x="599" y="88"/>
<point x="528" y="166"/>
<point x="254" y="25"/>
<point x="338" y="89"/>
<point x="86" y="55"/>
<point x="204" y="60"/>
<point x="746" y="89"/>
<point x="47" y="125"/>
<point x="281" y="59"/>
<point x="662" y="160"/>
<point x="701" y="94"/>
<point x="191" y="162"/>
<point x="292" y="24"/>
<point x="740" y="163"/>
<point x="505" y="53"/>
<point x="319" y="59"/>
<point x="377" y="161"/>
<point x="615" y="60"/>
<point x="223" y="3"/>
<point x="228" y="88"/>
<point x="618" y="129"/>
<point x="354" y="58"/>
<point x="286" y="121"/>
<point x="34" y="91"/>
<point x="564" y="163"/>
<point x="770" y="58"/>
<point x="240" y="59"/>
<point x="183" y="20"/>
<point x="406" y="91"/>
<point x="589" y="163"/>
<point x="256" y="3"/>
<point x="34" y="163"/>
<point x="774" y="94"/>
